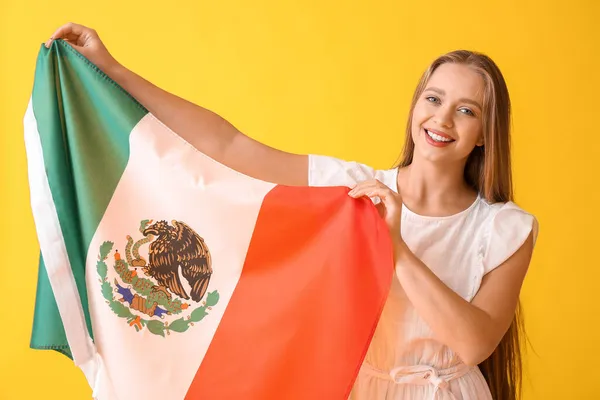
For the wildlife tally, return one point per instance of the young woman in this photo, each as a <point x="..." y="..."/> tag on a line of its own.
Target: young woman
<point x="450" y="328"/>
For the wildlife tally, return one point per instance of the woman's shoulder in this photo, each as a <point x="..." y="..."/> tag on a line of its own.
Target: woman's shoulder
<point x="331" y="171"/>
<point x="503" y="210"/>
<point x="505" y="227"/>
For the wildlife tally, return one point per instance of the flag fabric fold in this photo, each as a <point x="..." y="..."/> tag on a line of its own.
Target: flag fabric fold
<point x="165" y="274"/>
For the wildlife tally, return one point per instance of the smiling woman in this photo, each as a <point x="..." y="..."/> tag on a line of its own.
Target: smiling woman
<point x="461" y="246"/>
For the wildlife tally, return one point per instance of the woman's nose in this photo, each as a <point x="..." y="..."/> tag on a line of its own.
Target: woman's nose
<point x="443" y="117"/>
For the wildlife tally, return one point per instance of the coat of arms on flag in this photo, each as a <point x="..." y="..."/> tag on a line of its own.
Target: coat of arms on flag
<point x="148" y="290"/>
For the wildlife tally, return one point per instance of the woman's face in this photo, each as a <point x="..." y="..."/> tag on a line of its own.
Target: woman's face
<point x="447" y="118"/>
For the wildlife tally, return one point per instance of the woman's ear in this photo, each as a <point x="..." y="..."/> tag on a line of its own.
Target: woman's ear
<point x="480" y="142"/>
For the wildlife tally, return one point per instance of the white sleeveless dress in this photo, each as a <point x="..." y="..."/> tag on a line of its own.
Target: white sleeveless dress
<point x="404" y="361"/>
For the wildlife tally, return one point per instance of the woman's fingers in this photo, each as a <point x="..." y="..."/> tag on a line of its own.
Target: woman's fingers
<point x="72" y="32"/>
<point x="370" y="188"/>
<point x="68" y="29"/>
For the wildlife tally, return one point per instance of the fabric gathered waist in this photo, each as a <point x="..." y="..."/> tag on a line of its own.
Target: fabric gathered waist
<point x="421" y="375"/>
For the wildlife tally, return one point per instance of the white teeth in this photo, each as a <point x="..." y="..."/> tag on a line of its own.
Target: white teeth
<point x="437" y="138"/>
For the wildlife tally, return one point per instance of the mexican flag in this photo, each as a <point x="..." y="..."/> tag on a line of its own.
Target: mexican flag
<point x="166" y="275"/>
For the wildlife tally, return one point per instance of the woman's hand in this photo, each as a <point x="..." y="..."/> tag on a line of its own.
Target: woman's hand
<point x="390" y="207"/>
<point x="87" y="42"/>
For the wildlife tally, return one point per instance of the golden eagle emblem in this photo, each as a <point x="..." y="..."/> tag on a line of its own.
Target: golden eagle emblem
<point x="178" y="247"/>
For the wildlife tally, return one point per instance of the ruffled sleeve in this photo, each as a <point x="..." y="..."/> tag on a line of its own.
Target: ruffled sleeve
<point x="506" y="231"/>
<point x="330" y="171"/>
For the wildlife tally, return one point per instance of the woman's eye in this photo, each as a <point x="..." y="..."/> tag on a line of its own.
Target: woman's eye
<point x="467" y="111"/>
<point x="432" y="99"/>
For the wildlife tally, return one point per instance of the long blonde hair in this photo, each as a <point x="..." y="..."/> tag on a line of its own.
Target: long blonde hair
<point x="488" y="171"/>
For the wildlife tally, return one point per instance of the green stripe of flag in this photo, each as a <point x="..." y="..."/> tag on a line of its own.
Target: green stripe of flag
<point x="84" y="127"/>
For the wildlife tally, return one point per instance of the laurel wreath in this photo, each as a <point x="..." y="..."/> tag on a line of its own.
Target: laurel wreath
<point x="142" y="286"/>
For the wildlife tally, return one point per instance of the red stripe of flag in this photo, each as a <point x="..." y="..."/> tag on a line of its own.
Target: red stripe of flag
<point x="315" y="279"/>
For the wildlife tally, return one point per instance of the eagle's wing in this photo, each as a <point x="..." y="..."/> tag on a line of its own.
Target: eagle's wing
<point x="194" y="257"/>
<point x="198" y="276"/>
<point x="164" y="265"/>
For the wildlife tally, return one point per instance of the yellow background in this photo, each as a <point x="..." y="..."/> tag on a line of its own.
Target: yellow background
<point x="336" y="77"/>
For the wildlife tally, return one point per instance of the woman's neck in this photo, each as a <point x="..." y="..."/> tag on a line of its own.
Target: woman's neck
<point x="434" y="189"/>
